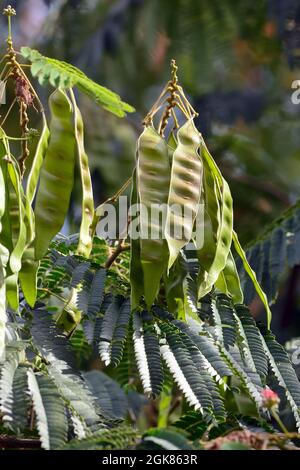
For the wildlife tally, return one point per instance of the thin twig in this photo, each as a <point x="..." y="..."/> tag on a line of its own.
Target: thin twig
<point x="119" y="249"/>
<point x="44" y="289"/>
<point x="9" y="110"/>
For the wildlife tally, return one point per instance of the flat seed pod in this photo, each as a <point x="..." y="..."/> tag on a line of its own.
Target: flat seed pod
<point x="228" y="281"/>
<point x="85" y="235"/>
<point x="28" y="275"/>
<point x="3" y="316"/>
<point x="57" y="173"/>
<point x="12" y="291"/>
<point x="225" y="227"/>
<point x="212" y="217"/>
<point x="136" y="270"/>
<point x="185" y="189"/>
<point x="28" y="271"/>
<point x="252" y="276"/>
<point x="153" y="176"/>
<point x="6" y="220"/>
<point x="19" y="217"/>
<point x="2" y="196"/>
<point x="38" y="158"/>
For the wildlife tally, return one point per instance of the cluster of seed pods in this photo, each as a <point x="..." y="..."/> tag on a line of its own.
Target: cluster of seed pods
<point x="179" y="170"/>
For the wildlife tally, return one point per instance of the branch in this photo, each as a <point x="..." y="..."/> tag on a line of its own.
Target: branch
<point x="7" y="442"/>
<point x="120" y="248"/>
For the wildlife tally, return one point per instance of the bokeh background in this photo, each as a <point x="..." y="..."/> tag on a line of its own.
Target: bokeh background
<point x="237" y="60"/>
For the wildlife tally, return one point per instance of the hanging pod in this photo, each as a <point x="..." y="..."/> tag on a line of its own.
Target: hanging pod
<point x="11" y="231"/>
<point x="181" y="171"/>
<point x="3" y="317"/>
<point x="136" y="270"/>
<point x="153" y="179"/>
<point x="40" y="152"/>
<point x="8" y="198"/>
<point x="17" y="231"/>
<point x="185" y="189"/>
<point x="57" y="173"/>
<point x="29" y="269"/>
<point x="253" y="278"/>
<point x="85" y="235"/>
<point x="221" y="225"/>
<point x="228" y="281"/>
<point x="18" y="214"/>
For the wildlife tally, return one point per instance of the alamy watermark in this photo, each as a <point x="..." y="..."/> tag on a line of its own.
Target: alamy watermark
<point x="2" y="92"/>
<point x="154" y="222"/>
<point x="295" y="98"/>
<point x="293" y="347"/>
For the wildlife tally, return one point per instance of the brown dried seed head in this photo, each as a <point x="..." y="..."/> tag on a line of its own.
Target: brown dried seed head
<point x="23" y="92"/>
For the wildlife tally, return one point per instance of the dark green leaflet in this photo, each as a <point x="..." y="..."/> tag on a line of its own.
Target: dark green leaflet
<point x="136" y="270"/>
<point x="38" y="158"/>
<point x="85" y="235"/>
<point x="57" y="173"/>
<point x="185" y="189"/>
<point x="153" y="176"/>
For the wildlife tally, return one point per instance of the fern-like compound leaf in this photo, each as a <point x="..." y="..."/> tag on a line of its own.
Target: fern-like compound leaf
<point x="51" y="419"/>
<point x="284" y="372"/>
<point x="62" y="75"/>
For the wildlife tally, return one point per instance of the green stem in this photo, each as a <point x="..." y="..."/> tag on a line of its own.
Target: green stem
<point x="279" y="422"/>
<point x="164" y="407"/>
<point x="9" y="36"/>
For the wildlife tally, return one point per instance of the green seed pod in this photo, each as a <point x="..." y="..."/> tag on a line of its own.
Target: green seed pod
<point x="28" y="272"/>
<point x="12" y="290"/>
<point x="2" y="196"/>
<point x="136" y="270"/>
<point x="57" y="173"/>
<point x="153" y="176"/>
<point x="228" y="281"/>
<point x="85" y="235"/>
<point x="8" y="199"/>
<point x="3" y="316"/>
<point x="185" y="189"/>
<point x="223" y="236"/>
<point x="70" y="315"/>
<point x="252" y="276"/>
<point x="28" y="275"/>
<point x="18" y="216"/>
<point x="37" y="162"/>
<point x="212" y="215"/>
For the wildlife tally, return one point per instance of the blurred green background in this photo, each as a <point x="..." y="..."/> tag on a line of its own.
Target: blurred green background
<point x="237" y="61"/>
